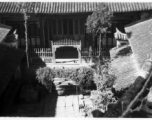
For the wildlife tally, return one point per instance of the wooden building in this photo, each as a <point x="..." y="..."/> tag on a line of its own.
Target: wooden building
<point x="57" y="21"/>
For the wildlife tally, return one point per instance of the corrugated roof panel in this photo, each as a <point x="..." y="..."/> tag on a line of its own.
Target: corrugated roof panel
<point x="51" y="8"/>
<point x="123" y="7"/>
<point x="128" y="7"/>
<point x="58" y="8"/>
<point x="4" y="8"/>
<point x="47" y="7"/>
<point x="10" y="7"/>
<point x="116" y="7"/>
<point x="1" y="6"/>
<point x="89" y="7"/>
<point x="54" y="8"/>
<point x="119" y="5"/>
<point x="16" y="9"/>
<point x="144" y="5"/>
<point x="113" y="6"/>
<point x="139" y="7"/>
<point x="44" y="7"/>
<point x="75" y="7"/>
<point x="64" y="9"/>
<point x="136" y="6"/>
<point x="4" y="30"/>
<point x="133" y="7"/>
<point x="86" y="7"/>
<point x="69" y="8"/>
<point x="78" y="7"/>
<point x="40" y="7"/>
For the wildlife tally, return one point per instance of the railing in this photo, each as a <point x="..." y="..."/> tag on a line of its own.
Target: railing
<point x="87" y="52"/>
<point x="38" y="55"/>
<point x="40" y="52"/>
<point x="66" y="42"/>
<point x="119" y="35"/>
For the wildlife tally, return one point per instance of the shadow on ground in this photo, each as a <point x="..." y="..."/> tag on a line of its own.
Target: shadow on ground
<point x="44" y="107"/>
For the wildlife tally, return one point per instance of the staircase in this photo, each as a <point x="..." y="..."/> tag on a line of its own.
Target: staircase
<point x="64" y="86"/>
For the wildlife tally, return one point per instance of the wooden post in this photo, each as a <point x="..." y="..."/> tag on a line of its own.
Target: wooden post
<point x="90" y="53"/>
<point x="53" y="51"/>
<point x="41" y="32"/>
<point x="79" y="54"/>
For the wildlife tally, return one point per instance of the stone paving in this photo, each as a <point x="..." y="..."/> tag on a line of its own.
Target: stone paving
<point x="52" y="105"/>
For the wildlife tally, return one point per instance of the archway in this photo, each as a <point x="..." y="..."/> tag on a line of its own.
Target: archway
<point x="66" y="52"/>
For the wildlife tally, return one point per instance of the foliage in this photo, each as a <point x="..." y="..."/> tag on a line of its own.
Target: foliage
<point x="130" y="98"/>
<point x="118" y="94"/>
<point x="85" y="77"/>
<point x="45" y="76"/>
<point x="82" y="76"/>
<point x="103" y="96"/>
<point x="99" y="20"/>
<point x="27" y="7"/>
<point x="101" y="99"/>
<point x="106" y="78"/>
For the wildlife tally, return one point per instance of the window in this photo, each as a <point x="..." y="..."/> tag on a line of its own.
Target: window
<point x="76" y="26"/>
<point x="70" y="26"/>
<point x="65" y="26"/>
<point x="54" y="26"/>
<point x="82" y="26"/>
<point x="59" y="26"/>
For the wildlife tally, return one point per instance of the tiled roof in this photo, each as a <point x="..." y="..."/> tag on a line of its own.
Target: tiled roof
<point x="4" y="30"/>
<point x="76" y="7"/>
<point x="123" y="66"/>
<point x="9" y="60"/>
<point x="140" y="39"/>
<point x="119" y="35"/>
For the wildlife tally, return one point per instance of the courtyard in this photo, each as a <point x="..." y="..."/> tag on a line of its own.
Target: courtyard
<point x="51" y="105"/>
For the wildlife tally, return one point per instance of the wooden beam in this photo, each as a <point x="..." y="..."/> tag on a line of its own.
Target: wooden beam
<point x="41" y="32"/>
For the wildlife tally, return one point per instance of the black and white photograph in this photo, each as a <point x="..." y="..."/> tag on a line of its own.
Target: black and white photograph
<point x="75" y="59"/>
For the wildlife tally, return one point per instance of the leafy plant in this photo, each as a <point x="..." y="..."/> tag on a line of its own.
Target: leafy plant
<point x="99" y="21"/>
<point x="45" y="77"/>
<point x="103" y="96"/>
<point x="82" y="76"/>
<point x="101" y="99"/>
<point x="106" y="78"/>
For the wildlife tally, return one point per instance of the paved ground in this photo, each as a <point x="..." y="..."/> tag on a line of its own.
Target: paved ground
<point x="51" y="105"/>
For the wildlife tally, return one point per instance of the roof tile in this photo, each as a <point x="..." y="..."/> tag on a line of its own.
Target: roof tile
<point x="4" y="30"/>
<point x="140" y="39"/>
<point x="75" y="7"/>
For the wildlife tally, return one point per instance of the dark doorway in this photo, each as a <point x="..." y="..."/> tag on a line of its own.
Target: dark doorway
<point x="66" y="53"/>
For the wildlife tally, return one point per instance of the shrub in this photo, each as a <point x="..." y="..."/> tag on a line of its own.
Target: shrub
<point x="45" y="77"/>
<point x="101" y="99"/>
<point x="106" y="77"/>
<point x="82" y="76"/>
<point x="85" y="77"/>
